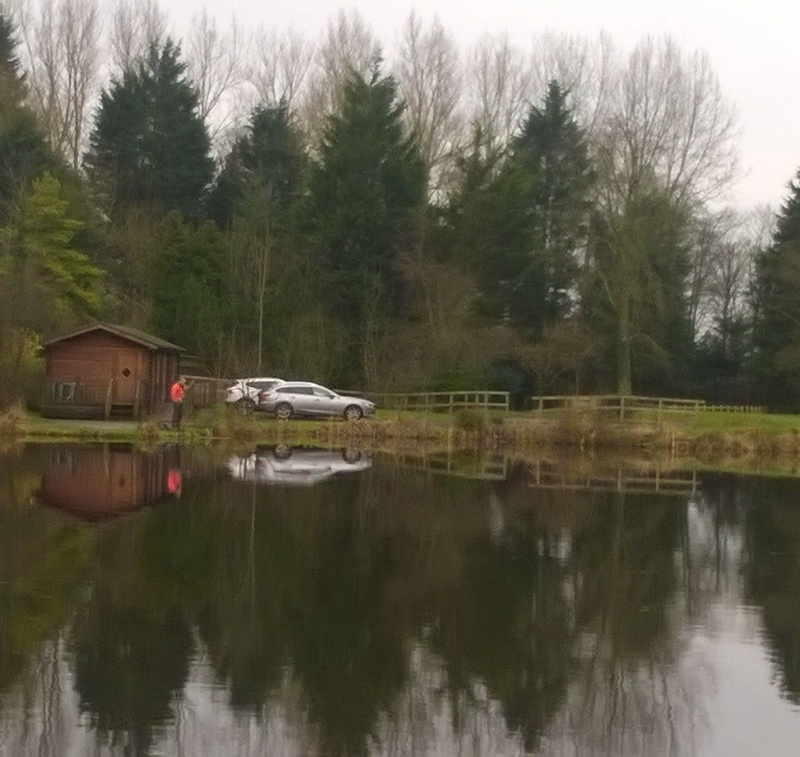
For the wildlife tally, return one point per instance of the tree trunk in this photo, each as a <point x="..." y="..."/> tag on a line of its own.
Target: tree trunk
<point x="624" y="386"/>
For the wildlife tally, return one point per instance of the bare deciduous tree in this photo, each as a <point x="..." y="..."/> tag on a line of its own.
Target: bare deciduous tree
<point x="582" y="67"/>
<point x="348" y="46"/>
<point x="668" y="133"/>
<point x="669" y="121"/>
<point x="726" y="293"/>
<point x="62" y="45"/>
<point x="135" y="26"/>
<point x="430" y="80"/>
<point x="216" y="67"/>
<point x="502" y="88"/>
<point x="281" y="66"/>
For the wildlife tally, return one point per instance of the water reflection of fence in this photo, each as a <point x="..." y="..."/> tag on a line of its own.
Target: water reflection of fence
<point x="653" y="481"/>
<point x="493" y="468"/>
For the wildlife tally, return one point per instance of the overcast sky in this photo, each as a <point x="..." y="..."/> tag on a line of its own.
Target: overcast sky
<point x="754" y="46"/>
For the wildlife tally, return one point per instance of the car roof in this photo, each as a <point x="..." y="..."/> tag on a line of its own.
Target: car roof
<point x="260" y="378"/>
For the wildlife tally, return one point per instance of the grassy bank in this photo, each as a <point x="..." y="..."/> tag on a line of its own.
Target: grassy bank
<point x="706" y="436"/>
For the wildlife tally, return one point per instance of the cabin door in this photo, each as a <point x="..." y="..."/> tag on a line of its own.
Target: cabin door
<point x="126" y="376"/>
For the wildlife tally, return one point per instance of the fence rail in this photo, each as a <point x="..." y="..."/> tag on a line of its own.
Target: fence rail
<point x="441" y="401"/>
<point x="625" y="406"/>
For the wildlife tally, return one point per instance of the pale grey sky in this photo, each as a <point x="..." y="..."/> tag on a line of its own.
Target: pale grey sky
<point x="754" y="47"/>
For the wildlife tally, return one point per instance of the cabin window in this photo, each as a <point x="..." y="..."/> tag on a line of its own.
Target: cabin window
<point x="64" y="391"/>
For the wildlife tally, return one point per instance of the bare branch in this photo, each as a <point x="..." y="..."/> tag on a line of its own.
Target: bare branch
<point x="136" y="25"/>
<point x="430" y="81"/>
<point x="216" y="68"/>
<point x="281" y="68"/>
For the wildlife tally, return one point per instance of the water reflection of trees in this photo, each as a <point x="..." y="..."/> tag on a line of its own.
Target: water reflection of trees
<point x="395" y="612"/>
<point x="772" y="569"/>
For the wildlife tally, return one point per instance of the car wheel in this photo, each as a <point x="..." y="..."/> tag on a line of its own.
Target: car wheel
<point x="282" y="452"/>
<point x="283" y="411"/>
<point x="353" y="412"/>
<point x="245" y="407"/>
<point x="351" y="455"/>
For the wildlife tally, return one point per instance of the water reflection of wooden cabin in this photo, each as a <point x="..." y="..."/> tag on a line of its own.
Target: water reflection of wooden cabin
<point x="107" y="370"/>
<point x="98" y="483"/>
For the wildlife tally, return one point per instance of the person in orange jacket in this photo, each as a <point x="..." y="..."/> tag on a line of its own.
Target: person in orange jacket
<point x="176" y="394"/>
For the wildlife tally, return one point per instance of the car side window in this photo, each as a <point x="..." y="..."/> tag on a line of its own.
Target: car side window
<point x="322" y="393"/>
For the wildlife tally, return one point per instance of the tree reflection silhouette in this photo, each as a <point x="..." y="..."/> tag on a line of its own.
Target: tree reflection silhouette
<point x="128" y="667"/>
<point x="526" y="598"/>
<point x="132" y="642"/>
<point x="309" y="596"/>
<point x="772" y="570"/>
<point x="395" y="607"/>
<point x="42" y="564"/>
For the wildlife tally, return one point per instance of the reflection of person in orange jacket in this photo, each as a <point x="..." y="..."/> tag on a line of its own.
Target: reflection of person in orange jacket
<point x="174" y="482"/>
<point x="176" y="394"/>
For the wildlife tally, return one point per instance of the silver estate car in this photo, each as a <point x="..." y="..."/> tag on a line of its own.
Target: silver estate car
<point x="302" y="398"/>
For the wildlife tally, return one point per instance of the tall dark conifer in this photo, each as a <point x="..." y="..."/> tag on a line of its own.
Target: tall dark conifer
<point x="533" y="211"/>
<point x="149" y="146"/>
<point x="365" y="190"/>
<point x="23" y="151"/>
<point x="777" y="316"/>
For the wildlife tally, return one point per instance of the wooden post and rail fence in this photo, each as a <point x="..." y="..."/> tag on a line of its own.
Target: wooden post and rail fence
<point x="205" y="392"/>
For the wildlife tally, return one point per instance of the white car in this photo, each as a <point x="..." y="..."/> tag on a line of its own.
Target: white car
<point x="299" y="466"/>
<point x="243" y="394"/>
<point x="303" y="398"/>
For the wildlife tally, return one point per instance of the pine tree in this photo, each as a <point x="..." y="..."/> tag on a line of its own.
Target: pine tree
<point x="149" y="146"/>
<point x="553" y="147"/>
<point x="365" y="190"/>
<point x="23" y="151"/>
<point x="777" y="321"/>
<point x="191" y="299"/>
<point x="528" y="218"/>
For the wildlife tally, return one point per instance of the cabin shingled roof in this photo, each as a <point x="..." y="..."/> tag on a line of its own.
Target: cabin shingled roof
<point x="126" y="332"/>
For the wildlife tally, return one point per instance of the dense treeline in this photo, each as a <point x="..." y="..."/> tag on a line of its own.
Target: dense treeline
<point x="425" y="218"/>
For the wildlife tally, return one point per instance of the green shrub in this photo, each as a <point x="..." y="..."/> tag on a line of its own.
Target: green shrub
<point x="11" y="421"/>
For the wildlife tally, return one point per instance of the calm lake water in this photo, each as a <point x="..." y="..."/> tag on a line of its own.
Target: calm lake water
<point x="307" y="602"/>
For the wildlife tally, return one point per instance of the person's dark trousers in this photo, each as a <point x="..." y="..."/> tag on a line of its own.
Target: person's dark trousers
<point x="177" y="414"/>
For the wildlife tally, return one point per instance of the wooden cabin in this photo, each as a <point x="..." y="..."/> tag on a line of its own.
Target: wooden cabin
<point x="105" y="371"/>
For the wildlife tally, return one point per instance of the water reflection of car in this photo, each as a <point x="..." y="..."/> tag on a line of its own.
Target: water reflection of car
<point x="297" y="466"/>
<point x="304" y="398"/>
